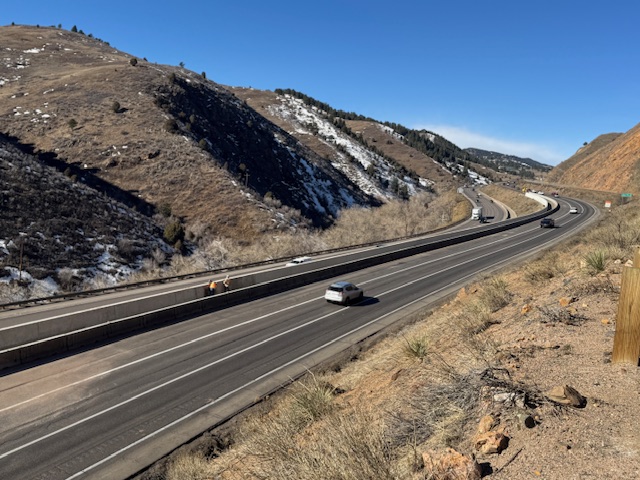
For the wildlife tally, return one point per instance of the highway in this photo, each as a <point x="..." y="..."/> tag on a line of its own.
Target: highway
<point x="109" y="412"/>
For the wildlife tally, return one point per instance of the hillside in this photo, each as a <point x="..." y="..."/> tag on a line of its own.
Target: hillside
<point x="608" y="163"/>
<point x="58" y="228"/>
<point x="521" y="167"/>
<point x="164" y="133"/>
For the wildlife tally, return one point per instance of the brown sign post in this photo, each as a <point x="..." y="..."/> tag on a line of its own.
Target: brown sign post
<point x="626" y="342"/>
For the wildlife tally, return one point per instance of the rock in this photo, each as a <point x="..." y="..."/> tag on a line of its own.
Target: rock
<point x="526" y="309"/>
<point x="491" y="442"/>
<point x="487" y="423"/>
<point x="565" y="301"/>
<point x="451" y="465"/>
<point x="566" y="395"/>
<point x="526" y="420"/>
<point x="504" y="397"/>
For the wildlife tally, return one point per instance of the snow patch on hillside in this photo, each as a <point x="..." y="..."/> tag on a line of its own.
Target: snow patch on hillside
<point x="368" y="170"/>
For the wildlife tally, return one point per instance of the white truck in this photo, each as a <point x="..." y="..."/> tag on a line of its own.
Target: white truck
<point x="476" y="213"/>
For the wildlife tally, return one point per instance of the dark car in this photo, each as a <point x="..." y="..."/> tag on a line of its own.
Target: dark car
<point x="547" y="223"/>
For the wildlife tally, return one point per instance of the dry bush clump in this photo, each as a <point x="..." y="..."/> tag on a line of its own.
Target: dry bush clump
<point x="441" y="409"/>
<point x="190" y="466"/>
<point x="495" y="294"/>
<point x="555" y="314"/>
<point x="593" y="286"/>
<point x="416" y="347"/>
<point x="307" y="436"/>
<point x="544" y="268"/>
<point x="619" y="229"/>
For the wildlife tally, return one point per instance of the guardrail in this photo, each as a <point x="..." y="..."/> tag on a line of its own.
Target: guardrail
<point x="25" y="343"/>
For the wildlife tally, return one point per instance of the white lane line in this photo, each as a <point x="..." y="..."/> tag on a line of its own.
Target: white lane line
<point x="263" y="342"/>
<point x="218" y="332"/>
<point x="291" y="362"/>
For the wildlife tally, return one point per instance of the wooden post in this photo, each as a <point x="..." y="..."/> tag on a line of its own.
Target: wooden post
<point x="626" y="342"/>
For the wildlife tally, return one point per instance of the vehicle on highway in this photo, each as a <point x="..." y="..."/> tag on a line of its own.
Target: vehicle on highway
<point x="298" y="261"/>
<point x="573" y="209"/>
<point x="547" y="223"/>
<point x="343" y="292"/>
<point x="476" y="213"/>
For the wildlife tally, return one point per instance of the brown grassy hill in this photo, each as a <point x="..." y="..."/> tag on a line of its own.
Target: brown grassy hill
<point x="164" y="133"/>
<point x="609" y="163"/>
<point x="56" y="77"/>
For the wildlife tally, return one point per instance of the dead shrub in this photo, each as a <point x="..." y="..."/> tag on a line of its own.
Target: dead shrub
<point x="440" y="409"/>
<point x="568" y="316"/>
<point x="495" y="295"/>
<point x="190" y="466"/>
<point x="541" y="270"/>
<point x="344" y="444"/>
<point x="593" y="286"/>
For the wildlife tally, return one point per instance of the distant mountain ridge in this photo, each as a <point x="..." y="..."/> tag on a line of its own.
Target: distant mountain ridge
<point x="523" y="167"/>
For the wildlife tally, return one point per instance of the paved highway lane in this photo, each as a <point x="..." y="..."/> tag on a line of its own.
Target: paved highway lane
<point x="108" y="412"/>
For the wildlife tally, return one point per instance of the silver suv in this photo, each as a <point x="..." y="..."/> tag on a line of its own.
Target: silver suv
<point x="343" y="292"/>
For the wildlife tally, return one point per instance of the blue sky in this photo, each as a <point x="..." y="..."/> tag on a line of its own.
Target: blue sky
<point x="533" y="79"/>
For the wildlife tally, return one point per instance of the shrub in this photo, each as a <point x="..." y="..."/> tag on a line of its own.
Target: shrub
<point x="165" y="209"/>
<point x="72" y="123"/>
<point x="495" y="294"/>
<point x="171" y="126"/>
<point x="416" y="347"/>
<point x="189" y="467"/>
<point x="596" y="261"/>
<point x="174" y="233"/>
<point x="115" y="106"/>
<point x="133" y="62"/>
<point x="312" y="399"/>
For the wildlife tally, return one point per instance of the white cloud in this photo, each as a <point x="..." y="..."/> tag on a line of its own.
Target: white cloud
<point x="464" y="138"/>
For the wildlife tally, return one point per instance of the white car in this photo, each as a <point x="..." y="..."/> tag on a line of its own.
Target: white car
<point x="298" y="261"/>
<point x="573" y="209"/>
<point x="343" y="292"/>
